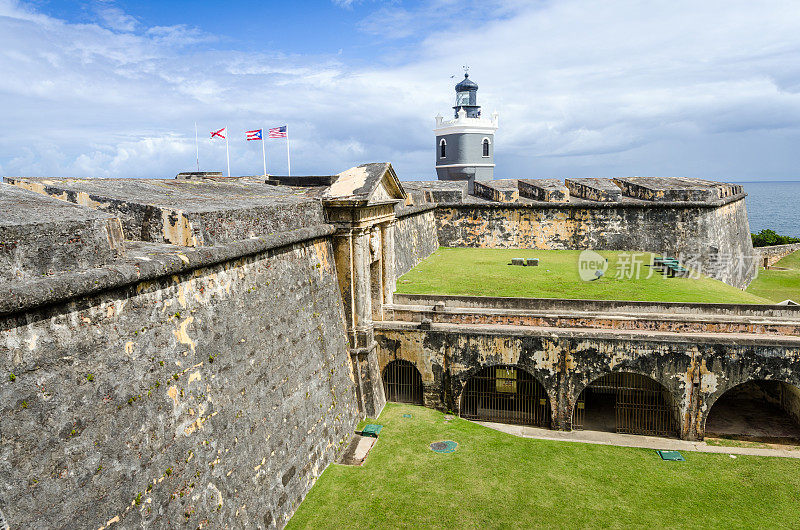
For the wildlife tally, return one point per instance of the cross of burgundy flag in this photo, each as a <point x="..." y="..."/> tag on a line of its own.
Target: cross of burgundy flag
<point x="221" y="133"/>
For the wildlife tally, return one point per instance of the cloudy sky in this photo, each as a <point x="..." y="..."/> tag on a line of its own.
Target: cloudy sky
<point x="583" y="88"/>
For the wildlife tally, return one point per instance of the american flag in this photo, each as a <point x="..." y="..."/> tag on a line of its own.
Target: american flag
<point x="278" y="132"/>
<point x="253" y="135"/>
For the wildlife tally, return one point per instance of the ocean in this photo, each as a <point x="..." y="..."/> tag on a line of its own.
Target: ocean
<point x="774" y="205"/>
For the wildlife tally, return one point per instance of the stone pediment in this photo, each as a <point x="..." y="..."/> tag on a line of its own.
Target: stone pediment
<point x="373" y="183"/>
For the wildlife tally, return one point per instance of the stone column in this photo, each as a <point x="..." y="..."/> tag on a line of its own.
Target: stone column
<point x="387" y="258"/>
<point x="362" y="336"/>
<point x="362" y="296"/>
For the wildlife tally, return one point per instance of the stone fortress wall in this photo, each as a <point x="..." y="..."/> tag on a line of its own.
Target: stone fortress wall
<point x="195" y="352"/>
<point x="773" y="254"/>
<point x="703" y="222"/>
<point x="415" y="237"/>
<point x="173" y="386"/>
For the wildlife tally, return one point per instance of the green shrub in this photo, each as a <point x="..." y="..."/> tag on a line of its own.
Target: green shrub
<point x="768" y="238"/>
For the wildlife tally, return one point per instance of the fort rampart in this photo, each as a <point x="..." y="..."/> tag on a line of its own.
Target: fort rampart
<point x="194" y="352"/>
<point x="177" y="397"/>
<point x="713" y="237"/>
<point x="773" y="254"/>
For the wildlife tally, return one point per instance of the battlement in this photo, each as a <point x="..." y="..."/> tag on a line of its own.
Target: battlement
<point x="641" y="191"/>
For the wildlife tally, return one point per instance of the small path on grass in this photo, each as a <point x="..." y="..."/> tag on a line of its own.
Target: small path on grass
<point x="634" y="440"/>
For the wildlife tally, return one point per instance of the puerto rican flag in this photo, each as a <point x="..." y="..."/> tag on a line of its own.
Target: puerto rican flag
<point x="253" y="135"/>
<point x="278" y="132"/>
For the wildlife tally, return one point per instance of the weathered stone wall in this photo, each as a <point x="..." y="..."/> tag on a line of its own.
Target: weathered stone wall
<point x="769" y="256"/>
<point x="210" y="398"/>
<point x="186" y="213"/>
<point x="694" y="369"/>
<point x="415" y="237"/>
<point x="41" y="236"/>
<point x="714" y="238"/>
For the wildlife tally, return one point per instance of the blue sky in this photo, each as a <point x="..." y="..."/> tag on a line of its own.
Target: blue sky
<point x="583" y="88"/>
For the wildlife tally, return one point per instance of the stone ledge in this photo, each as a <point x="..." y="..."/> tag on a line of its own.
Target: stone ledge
<point x="422" y="311"/>
<point x="160" y="260"/>
<point x="605" y="306"/>
<point x="413" y="210"/>
<point x="736" y="339"/>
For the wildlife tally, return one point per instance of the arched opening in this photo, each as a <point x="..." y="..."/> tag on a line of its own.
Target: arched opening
<point x="442" y="148"/>
<point x="486" y="144"/>
<point x="402" y="382"/>
<point x="628" y="403"/>
<point x="764" y="411"/>
<point x="505" y="394"/>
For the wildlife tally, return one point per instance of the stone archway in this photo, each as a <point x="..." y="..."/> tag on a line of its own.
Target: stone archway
<point x="402" y="382"/>
<point x="627" y="403"/>
<point x="756" y="410"/>
<point x="505" y="393"/>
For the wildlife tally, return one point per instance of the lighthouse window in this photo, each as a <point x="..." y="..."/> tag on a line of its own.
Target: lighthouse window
<point x="462" y="98"/>
<point x="486" y="147"/>
<point x="442" y="149"/>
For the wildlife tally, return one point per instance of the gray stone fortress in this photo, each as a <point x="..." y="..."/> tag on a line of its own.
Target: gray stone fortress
<point x="194" y="352"/>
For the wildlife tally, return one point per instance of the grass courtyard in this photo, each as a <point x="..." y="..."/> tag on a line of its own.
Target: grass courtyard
<point x="779" y="285"/>
<point x="486" y="272"/>
<point x="496" y="480"/>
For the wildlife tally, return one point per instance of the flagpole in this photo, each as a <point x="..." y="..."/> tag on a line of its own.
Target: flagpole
<point x="227" y="151"/>
<point x="288" y="160"/>
<point x="264" y="152"/>
<point x="196" y="147"/>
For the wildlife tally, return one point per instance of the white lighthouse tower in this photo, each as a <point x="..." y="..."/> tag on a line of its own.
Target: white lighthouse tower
<point x="465" y="145"/>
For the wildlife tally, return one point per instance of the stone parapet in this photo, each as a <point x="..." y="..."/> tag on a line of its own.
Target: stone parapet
<point x="547" y="190"/>
<point x="502" y="190"/>
<point x="594" y="189"/>
<point x="143" y="262"/>
<point x="773" y="254"/>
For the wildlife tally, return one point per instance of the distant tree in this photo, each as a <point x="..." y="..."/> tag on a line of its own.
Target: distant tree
<point x="768" y="238"/>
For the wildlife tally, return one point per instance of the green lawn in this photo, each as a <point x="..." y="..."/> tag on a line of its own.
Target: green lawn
<point x="485" y="272"/>
<point x="779" y="285"/>
<point x="497" y="480"/>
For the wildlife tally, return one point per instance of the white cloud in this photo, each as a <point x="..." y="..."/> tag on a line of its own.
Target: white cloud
<point x="115" y="18"/>
<point x="618" y="87"/>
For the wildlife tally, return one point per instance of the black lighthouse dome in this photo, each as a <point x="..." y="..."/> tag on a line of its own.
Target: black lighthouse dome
<point x="467" y="98"/>
<point x="466" y="84"/>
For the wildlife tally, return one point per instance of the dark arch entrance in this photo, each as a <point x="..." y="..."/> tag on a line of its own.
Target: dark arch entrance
<point x="505" y="394"/>
<point x="759" y="410"/>
<point x="402" y="382"/>
<point x="628" y="403"/>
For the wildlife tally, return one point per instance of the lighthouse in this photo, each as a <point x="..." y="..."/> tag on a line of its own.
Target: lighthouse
<point x="465" y="144"/>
